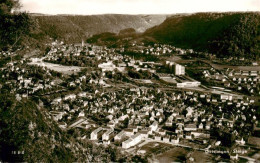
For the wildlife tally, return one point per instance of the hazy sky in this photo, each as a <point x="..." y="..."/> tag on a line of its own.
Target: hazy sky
<point x="89" y="7"/>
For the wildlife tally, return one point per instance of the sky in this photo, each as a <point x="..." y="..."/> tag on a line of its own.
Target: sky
<point x="93" y="7"/>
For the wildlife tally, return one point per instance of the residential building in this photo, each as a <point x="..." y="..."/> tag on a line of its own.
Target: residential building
<point x="94" y="135"/>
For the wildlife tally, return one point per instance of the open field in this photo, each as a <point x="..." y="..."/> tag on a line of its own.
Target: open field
<point x="162" y="152"/>
<point x="154" y="147"/>
<point x="175" y="154"/>
<point x="254" y="140"/>
<point x="242" y="68"/>
<point x="178" y="154"/>
<point x="56" y="67"/>
<point x="200" y="156"/>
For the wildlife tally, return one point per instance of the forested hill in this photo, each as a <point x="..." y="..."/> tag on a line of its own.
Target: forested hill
<point x="75" y="28"/>
<point x="224" y="34"/>
<point x="28" y="128"/>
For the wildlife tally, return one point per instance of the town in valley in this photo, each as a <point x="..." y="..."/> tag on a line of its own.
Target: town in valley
<point x="154" y="101"/>
<point x="130" y="81"/>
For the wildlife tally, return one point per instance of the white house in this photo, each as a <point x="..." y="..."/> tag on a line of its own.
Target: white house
<point x="189" y="111"/>
<point x="161" y="132"/>
<point x="190" y="127"/>
<point x="144" y="133"/>
<point x="154" y="126"/>
<point x="132" y="141"/>
<point x="57" y="100"/>
<point x="201" y="126"/>
<point x="111" y="124"/>
<point x="123" y="117"/>
<point x="169" y="122"/>
<point x="196" y="133"/>
<point x="208" y="126"/>
<point x="81" y="114"/>
<point x="82" y="94"/>
<point x="241" y="142"/>
<point x="78" y="122"/>
<point x="234" y="156"/>
<point x="178" y="129"/>
<point x="71" y="97"/>
<point x="134" y="128"/>
<point x="188" y="135"/>
<point x="120" y="135"/>
<point x="57" y="115"/>
<point x="158" y="137"/>
<point x="175" y="140"/>
<point x="166" y="139"/>
<point x="217" y="143"/>
<point x="94" y="134"/>
<point x="63" y="125"/>
<point x="106" y="135"/>
<point x="129" y="132"/>
<point x="126" y="144"/>
<point x="109" y="66"/>
<point x="226" y="97"/>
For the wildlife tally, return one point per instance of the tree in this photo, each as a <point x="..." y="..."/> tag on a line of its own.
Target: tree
<point x="14" y="25"/>
<point x="125" y="123"/>
<point x="184" y="112"/>
<point x="6" y="6"/>
<point x="192" y="136"/>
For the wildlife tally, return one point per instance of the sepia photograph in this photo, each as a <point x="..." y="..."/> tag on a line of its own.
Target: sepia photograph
<point x="130" y="81"/>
